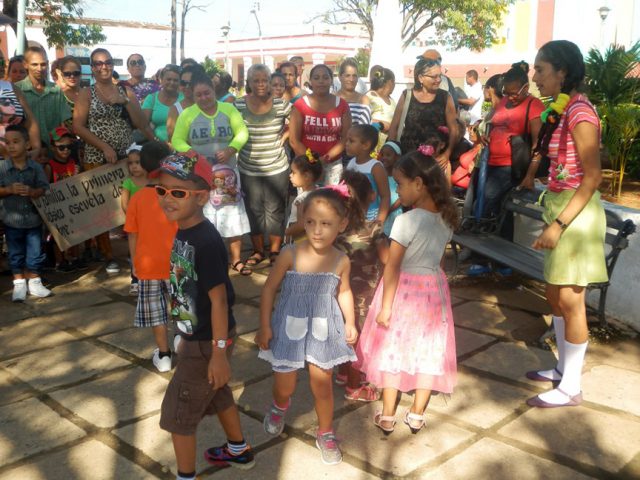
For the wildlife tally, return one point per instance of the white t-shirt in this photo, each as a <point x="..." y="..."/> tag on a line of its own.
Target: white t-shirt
<point x="425" y="236"/>
<point x="293" y="215"/>
<point x="475" y="91"/>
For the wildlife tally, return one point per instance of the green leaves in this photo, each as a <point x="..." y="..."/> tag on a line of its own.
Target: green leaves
<point x="609" y="76"/>
<point x="621" y="130"/>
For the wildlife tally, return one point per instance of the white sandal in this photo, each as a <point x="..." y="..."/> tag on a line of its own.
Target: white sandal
<point x="415" y="421"/>
<point x="379" y="418"/>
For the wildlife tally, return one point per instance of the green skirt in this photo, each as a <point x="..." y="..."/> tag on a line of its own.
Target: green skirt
<point x="578" y="258"/>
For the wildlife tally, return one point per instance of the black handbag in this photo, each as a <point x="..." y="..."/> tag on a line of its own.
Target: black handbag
<point x="521" y="151"/>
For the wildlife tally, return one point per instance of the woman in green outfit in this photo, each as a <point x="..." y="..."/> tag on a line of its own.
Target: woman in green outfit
<point x="156" y="105"/>
<point x="573" y="239"/>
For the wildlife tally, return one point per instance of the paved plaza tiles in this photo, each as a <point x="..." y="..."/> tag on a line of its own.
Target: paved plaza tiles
<point x="80" y="399"/>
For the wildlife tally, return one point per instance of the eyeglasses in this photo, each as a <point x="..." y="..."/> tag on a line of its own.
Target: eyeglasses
<point x="432" y="77"/>
<point x="176" y="192"/>
<point x="514" y="95"/>
<point x="100" y="64"/>
<point x="136" y="63"/>
<point x="64" y="147"/>
<point x="185" y="83"/>
<point x="75" y="73"/>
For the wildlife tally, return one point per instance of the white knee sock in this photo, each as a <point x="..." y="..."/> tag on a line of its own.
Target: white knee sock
<point x="572" y="375"/>
<point x="558" y="327"/>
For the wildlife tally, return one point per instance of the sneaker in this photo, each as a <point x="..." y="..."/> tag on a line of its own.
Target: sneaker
<point x="176" y="342"/>
<point x="222" y="457"/>
<point x="274" y="420"/>
<point x="162" y="364"/>
<point x="133" y="290"/>
<point x="19" y="290"/>
<point x="477" y="270"/>
<point x="37" y="289"/>
<point x="112" y="267"/>
<point x="328" y="446"/>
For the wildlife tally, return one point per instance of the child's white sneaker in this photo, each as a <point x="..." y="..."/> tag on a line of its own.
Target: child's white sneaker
<point x="162" y="364"/>
<point x="37" y="289"/>
<point x="19" y="290"/>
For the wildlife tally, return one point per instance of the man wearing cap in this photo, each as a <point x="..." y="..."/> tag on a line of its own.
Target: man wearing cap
<point x="446" y="84"/>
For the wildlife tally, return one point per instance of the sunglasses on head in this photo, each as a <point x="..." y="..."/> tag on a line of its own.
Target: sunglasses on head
<point x="64" y="147"/>
<point x="75" y="73"/>
<point x="100" y="64"/>
<point x="136" y="63"/>
<point x="176" y="192"/>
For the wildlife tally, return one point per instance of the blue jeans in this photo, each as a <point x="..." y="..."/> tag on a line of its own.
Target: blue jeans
<point x="498" y="185"/>
<point x="25" y="249"/>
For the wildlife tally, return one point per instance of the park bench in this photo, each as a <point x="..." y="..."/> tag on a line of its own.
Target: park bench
<point x="484" y="239"/>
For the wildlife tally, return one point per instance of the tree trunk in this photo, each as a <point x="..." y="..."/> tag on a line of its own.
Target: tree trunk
<point x="173" y="31"/>
<point x="182" y="20"/>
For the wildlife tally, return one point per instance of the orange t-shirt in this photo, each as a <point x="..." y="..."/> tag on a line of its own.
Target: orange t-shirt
<point x="155" y="235"/>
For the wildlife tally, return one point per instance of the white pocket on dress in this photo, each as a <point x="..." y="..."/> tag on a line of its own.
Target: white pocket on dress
<point x="296" y="327"/>
<point x="320" y="328"/>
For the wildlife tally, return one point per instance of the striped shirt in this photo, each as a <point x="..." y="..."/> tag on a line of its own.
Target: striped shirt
<point x="264" y="154"/>
<point x="566" y="173"/>
<point x="360" y="114"/>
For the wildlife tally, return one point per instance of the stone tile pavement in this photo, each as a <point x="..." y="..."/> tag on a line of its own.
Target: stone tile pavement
<point x="80" y="399"/>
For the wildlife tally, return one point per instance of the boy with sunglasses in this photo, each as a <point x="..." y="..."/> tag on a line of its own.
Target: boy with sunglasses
<point x="150" y="235"/>
<point x="201" y="304"/>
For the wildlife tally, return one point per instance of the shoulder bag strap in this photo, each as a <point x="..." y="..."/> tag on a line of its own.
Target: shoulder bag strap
<point x="526" y="118"/>
<point x="405" y="108"/>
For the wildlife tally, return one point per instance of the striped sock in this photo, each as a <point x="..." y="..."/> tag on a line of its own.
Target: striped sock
<point x="236" y="448"/>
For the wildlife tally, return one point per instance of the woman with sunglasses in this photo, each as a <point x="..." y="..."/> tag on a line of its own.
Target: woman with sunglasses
<point x="517" y="113"/>
<point x="156" y="105"/>
<point x="429" y="109"/>
<point x="186" y="90"/>
<point x="69" y="72"/>
<point x="104" y="117"/>
<point x="140" y="85"/>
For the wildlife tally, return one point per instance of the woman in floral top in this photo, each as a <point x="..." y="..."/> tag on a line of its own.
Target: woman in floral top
<point x="573" y="240"/>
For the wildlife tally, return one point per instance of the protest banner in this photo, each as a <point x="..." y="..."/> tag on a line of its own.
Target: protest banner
<point x="81" y="207"/>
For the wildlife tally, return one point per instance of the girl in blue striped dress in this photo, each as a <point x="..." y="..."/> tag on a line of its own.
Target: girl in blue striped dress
<point x="313" y="321"/>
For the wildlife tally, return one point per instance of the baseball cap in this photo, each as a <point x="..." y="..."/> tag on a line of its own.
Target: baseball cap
<point x="187" y="166"/>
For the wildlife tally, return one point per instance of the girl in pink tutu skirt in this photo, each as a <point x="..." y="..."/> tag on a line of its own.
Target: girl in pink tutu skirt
<point x="407" y="342"/>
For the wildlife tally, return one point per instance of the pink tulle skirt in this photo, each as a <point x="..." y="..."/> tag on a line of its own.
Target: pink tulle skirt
<point x="418" y="349"/>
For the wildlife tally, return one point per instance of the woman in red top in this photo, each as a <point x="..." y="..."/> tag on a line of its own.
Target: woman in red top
<point x="573" y="240"/>
<point x="509" y="120"/>
<point x="320" y="121"/>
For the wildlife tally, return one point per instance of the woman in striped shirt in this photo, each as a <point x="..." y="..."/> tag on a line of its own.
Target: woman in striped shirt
<point x="358" y="103"/>
<point x="263" y="162"/>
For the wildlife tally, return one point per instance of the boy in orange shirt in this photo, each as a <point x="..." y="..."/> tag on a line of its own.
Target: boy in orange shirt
<point x="151" y="237"/>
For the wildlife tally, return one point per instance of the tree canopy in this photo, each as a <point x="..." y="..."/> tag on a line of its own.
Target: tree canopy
<point x="59" y="21"/>
<point x="458" y="23"/>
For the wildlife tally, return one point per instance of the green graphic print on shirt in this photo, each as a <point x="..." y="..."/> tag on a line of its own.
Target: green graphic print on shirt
<point x="183" y="278"/>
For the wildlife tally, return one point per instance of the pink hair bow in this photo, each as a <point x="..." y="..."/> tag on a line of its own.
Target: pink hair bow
<point x="443" y="129"/>
<point x="426" y="150"/>
<point x="342" y="189"/>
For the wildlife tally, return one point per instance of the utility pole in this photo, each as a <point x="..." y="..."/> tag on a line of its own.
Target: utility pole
<point x="174" y="30"/>
<point x="22" y="7"/>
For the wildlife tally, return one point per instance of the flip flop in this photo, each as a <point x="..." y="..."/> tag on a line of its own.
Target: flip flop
<point x="254" y="259"/>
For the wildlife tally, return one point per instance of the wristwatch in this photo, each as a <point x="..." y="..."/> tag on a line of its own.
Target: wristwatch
<point x="222" y="343"/>
<point x="563" y="225"/>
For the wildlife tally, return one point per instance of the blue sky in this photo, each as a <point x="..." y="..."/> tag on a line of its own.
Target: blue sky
<point x="277" y="17"/>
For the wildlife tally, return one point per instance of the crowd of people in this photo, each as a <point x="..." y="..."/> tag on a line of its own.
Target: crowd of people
<point x="346" y="193"/>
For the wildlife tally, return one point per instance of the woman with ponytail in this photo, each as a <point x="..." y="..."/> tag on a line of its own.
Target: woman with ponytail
<point x="573" y="239"/>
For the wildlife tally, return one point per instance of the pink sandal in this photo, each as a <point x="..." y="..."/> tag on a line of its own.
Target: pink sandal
<point x="415" y="421"/>
<point x="365" y="393"/>
<point x="379" y="418"/>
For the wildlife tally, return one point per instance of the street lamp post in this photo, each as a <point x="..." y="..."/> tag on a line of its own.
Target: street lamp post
<point x="254" y="11"/>
<point x="604" y="13"/>
<point x="225" y="33"/>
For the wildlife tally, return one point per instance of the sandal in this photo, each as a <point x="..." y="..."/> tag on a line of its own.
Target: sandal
<point x="379" y="418"/>
<point x="244" y="270"/>
<point x="254" y="259"/>
<point x="273" y="256"/>
<point x="365" y="393"/>
<point x="414" y="421"/>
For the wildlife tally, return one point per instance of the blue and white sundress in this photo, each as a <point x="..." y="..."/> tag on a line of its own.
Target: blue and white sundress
<point x="307" y="323"/>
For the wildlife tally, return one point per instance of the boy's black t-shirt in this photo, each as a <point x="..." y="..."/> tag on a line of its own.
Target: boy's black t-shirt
<point x="199" y="263"/>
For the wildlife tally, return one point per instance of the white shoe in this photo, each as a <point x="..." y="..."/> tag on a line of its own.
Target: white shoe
<point x="19" y="290"/>
<point x="162" y="364"/>
<point x="112" y="267"/>
<point x="37" y="289"/>
<point x="177" y="338"/>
